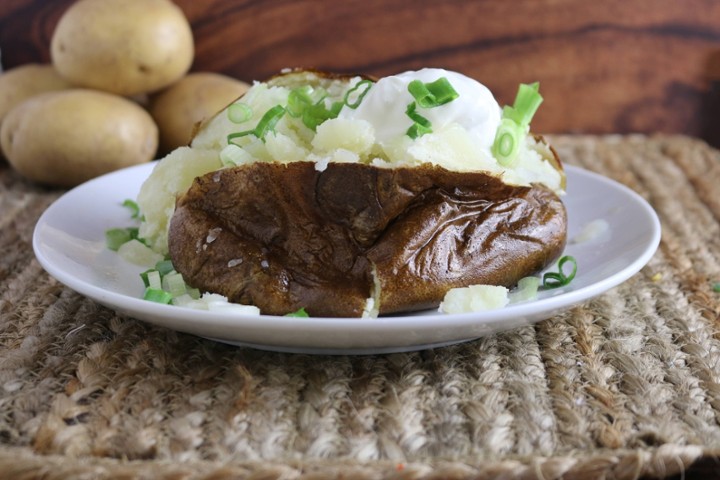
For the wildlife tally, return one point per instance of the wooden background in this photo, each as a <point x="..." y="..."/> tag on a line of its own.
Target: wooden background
<point x="607" y="66"/>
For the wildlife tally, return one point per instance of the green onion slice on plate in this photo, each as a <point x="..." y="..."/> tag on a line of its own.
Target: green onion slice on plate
<point x="559" y="279"/>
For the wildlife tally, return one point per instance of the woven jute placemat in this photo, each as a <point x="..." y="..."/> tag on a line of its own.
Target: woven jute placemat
<point x="623" y="386"/>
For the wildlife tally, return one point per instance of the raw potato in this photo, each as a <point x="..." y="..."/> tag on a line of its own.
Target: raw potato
<point x="123" y="46"/>
<point x="25" y="81"/>
<point x="194" y="98"/>
<point x="65" y="138"/>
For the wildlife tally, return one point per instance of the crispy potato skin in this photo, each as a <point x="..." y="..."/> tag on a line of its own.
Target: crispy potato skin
<point x="285" y="236"/>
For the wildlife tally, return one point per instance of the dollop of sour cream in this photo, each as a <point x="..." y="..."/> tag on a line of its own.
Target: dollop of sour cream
<point x="384" y="105"/>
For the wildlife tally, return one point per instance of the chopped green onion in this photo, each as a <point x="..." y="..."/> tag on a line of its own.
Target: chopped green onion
<point x="232" y="155"/>
<point x="157" y="295"/>
<point x="416" y="130"/>
<point x="239" y="112"/>
<point x="432" y="94"/>
<point x="269" y="120"/>
<point x="363" y="84"/>
<point x="316" y="114"/>
<point x="427" y="95"/>
<point x="116" y="237"/>
<point x="302" y="98"/>
<point x="266" y="124"/>
<point x="507" y="142"/>
<point x="527" y="101"/>
<point x="559" y="279"/>
<point x="298" y="313"/>
<point x="154" y="280"/>
<point x="163" y="284"/>
<point x="515" y="123"/>
<point x="310" y="104"/>
<point x="716" y="287"/>
<point x="298" y="100"/>
<point x="164" y="267"/>
<point x="154" y="275"/>
<point x="317" y="95"/>
<point x="527" y="289"/>
<point x="421" y="93"/>
<point x="144" y="277"/>
<point x="443" y="91"/>
<point x="174" y="284"/>
<point x="420" y="126"/>
<point x="133" y="206"/>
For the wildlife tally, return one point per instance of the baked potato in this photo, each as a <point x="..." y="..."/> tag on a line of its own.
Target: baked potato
<point x="344" y="220"/>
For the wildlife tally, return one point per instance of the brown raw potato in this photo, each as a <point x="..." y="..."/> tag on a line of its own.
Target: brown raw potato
<point x="25" y="81"/>
<point x="194" y="98"/>
<point x="286" y="236"/>
<point x="65" y="138"/>
<point x="127" y="47"/>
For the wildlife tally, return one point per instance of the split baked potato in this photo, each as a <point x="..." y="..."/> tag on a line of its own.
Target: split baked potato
<point x="333" y="217"/>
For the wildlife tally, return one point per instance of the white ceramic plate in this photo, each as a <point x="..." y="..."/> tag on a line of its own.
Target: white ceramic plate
<point x="69" y="243"/>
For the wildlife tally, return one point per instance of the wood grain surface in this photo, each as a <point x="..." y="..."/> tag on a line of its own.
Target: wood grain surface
<point x="612" y="66"/>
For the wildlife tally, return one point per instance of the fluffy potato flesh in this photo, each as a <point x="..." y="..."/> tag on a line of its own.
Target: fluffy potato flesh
<point x="286" y="236"/>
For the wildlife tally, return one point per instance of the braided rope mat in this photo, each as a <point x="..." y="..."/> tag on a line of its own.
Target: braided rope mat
<point x="625" y="386"/>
